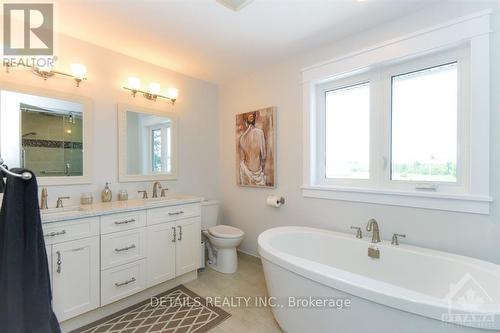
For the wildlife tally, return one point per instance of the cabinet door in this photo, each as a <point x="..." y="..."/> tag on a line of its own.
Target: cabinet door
<point x="188" y="245"/>
<point x="75" y="270"/>
<point x="160" y="240"/>
<point x="48" y="250"/>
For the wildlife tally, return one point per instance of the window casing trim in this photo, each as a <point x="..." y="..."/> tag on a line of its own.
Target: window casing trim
<point x="472" y="32"/>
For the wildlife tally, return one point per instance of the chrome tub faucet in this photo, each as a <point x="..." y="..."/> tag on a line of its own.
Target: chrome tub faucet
<point x="373" y="226"/>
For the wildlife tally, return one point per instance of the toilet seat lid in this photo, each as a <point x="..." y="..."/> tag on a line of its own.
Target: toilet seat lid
<point x="225" y="231"/>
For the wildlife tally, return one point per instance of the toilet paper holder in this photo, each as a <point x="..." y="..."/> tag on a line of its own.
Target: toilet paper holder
<point x="275" y="201"/>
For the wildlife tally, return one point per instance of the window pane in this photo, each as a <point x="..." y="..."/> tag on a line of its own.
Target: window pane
<point x="424" y="125"/>
<point x="347" y="146"/>
<point x="169" y="151"/>
<point x="156" y="163"/>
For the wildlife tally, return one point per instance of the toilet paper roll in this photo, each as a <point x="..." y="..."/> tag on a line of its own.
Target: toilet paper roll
<point x="274" y="201"/>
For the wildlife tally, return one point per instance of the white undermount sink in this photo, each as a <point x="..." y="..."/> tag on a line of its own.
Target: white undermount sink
<point x="168" y="198"/>
<point x="65" y="210"/>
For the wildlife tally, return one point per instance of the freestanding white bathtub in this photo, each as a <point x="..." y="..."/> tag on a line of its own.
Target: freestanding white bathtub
<point x="408" y="289"/>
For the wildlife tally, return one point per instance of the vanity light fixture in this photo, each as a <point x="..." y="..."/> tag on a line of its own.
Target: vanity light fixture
<point x="153" y="93"/>
<point x="78" y="72"/>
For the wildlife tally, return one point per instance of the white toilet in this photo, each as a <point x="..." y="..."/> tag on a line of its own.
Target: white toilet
<point x="222" y="239"/>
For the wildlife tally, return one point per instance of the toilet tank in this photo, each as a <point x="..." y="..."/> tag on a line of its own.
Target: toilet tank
<point x="209" y="213"/>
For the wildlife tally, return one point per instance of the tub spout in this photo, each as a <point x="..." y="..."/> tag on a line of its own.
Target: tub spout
<point x="373" y="226"/>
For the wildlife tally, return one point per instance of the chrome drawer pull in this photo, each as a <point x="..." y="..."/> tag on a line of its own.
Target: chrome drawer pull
<point x="59" y="262"/>
<point x="176" y="213"/>
<point x="54" y="233"/>
<point x="180" y="233"/>
<point x="124" y="222"/>
<point x="175" y="235"/>
<point x="124" y="283"/>
<point x="126" y="248"/>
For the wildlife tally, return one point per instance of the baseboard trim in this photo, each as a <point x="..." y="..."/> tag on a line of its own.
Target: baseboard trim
<point x="249" y="256"/>
<point x="248" y="253"/>
<point x="104" y="311"/>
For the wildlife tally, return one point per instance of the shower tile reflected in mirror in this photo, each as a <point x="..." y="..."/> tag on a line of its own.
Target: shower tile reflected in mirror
<point x="43" y="134"/>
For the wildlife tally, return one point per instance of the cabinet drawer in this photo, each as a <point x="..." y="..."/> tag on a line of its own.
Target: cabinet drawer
<point x="172" y="213"/>
<point x="122" y="247"/>
<point x="122" y="281"/>
<point x="58" y="232"/>
<point x="123" y="221"/>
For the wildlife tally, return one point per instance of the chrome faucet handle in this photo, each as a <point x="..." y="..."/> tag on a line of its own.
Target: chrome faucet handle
<point x="163" y="192"/>
<point x="60" y="202"/>
<point x="395" y="239"/>
<point x="359" y="233"/>
<point x="144" y="194"/>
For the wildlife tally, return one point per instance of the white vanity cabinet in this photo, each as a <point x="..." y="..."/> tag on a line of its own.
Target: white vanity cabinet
<point x="161" y="253"/>
<point x="48" y="250"/>
<point x="187" y="251"/>
<point x="73" y="257"/>
<point x="100" y="260"/>
<point x="173" y="238"/>
<point x="75" y="267"/>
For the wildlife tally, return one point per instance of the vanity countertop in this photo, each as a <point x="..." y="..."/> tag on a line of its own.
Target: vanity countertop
<point x="105" y="208"/>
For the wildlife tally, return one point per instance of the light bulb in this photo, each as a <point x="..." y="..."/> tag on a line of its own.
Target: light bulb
<point x="78" y="71"/>
<point x="173" y="93"/>
<point x="154" y="88"/>
<point x="134" y="83"/>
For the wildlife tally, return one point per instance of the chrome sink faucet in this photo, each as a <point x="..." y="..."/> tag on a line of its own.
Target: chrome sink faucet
<point x="156" y="187"/>
<point x="373" y="226"/>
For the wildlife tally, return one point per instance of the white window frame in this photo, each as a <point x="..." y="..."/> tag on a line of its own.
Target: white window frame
<point x="460" y="56"/>
<point x="465" y="41"/>
<point x="321" y="131"/>
<point x="165" y="160"/>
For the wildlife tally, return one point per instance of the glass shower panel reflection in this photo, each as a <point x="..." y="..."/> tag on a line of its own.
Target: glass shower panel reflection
<point x="52" y="141"/>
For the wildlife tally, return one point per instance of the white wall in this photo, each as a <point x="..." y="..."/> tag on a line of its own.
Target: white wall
<point x="107" y="73"/>
<point x="280" y="85"/>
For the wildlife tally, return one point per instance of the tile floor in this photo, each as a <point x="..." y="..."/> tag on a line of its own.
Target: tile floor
<point x="247" y="281"/>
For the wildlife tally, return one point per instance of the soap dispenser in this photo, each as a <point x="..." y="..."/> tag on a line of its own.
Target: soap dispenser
<point x="106" y="194"/>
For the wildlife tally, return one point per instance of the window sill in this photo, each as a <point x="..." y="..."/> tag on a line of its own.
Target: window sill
<point x="448" y="202"/>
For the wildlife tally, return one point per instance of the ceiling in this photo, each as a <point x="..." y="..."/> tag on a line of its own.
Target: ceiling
<point x="206" y="40"/>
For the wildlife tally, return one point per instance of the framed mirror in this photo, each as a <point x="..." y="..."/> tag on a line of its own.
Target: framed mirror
<point x="46" y="132"/>
<point x="147" y="144"/>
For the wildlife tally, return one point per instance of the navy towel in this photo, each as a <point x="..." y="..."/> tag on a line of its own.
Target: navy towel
<point x="25" y="294"/>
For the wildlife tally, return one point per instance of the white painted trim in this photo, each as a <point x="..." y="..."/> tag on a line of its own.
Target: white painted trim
<point x="456" y="203"/>
<point x="450" y="33"/>
<point x="472" y="31"/>
<point x="123" y="176"/>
